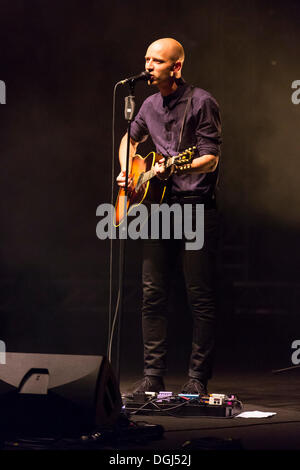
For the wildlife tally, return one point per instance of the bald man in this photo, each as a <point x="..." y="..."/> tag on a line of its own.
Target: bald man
<point x="179" y="116"/>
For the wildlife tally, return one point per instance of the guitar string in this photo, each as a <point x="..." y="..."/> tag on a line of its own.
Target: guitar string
<point x="150" y="173"/>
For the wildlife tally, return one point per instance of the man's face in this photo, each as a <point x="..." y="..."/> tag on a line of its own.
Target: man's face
<point x="159" y="64"/>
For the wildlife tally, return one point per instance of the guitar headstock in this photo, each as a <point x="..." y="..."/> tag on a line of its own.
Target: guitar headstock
<point x="185" y="157"/>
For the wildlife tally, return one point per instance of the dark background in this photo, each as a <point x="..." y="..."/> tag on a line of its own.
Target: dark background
<point x="60" y="61"/>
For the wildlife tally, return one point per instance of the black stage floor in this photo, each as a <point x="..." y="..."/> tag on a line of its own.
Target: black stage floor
<point x="262" y="391"/>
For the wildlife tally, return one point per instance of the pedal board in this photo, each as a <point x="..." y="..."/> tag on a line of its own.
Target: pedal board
<point x="168" y="404"/>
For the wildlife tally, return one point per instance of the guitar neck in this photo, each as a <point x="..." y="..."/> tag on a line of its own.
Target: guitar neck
<point x="149" y="174"/>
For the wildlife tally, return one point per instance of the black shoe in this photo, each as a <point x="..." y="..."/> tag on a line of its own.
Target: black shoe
<point x="194" y="387"/>
<point x="149" y="383"/>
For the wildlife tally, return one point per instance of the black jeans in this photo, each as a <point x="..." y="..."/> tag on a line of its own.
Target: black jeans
<point x="199" y="268"/>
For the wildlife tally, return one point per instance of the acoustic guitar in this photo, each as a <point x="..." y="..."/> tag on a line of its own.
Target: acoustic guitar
<point x="143" y="186"/>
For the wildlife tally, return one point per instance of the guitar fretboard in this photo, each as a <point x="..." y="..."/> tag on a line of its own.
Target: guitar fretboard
<point x="149" y="174"/>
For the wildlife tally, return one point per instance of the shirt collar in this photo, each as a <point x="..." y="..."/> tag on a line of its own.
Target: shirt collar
<point x="171" y="99"/>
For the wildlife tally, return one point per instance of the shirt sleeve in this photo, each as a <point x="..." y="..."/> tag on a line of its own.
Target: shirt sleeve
<point x="208" y="129"/>
<point x="139" y="129"/>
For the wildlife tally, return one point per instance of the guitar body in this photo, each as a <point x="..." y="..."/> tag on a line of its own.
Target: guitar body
<point x="151" y="191"/>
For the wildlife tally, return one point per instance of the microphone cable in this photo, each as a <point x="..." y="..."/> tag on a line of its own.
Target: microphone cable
<point x="112" y="318"/>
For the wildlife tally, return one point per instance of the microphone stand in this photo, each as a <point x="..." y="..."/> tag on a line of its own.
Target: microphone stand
<point x="129" y="113"/>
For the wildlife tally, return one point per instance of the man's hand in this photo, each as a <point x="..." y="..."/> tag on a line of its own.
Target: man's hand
<point x="160" y="169"/>
<point x="121" y="178"/>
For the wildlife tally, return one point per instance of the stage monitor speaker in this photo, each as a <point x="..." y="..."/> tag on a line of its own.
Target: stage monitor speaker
<point x="81" y="389"/>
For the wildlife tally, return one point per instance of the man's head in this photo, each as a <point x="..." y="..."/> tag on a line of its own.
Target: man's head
<point x="164" y="59"/>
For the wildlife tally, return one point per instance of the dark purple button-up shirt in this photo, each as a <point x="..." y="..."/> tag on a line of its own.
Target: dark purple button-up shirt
<point x="161" y="118"/>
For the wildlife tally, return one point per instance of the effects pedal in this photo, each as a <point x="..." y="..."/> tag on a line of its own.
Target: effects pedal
<point x="169" y="404"/>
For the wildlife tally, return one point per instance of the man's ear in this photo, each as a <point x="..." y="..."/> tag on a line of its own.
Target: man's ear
<point x="177" y="67"/>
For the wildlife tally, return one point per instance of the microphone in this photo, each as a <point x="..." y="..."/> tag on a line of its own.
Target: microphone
<point x="136" y="78"/>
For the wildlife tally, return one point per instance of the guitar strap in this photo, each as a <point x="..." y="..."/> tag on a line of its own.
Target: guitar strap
<point x="184" y="115"/>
